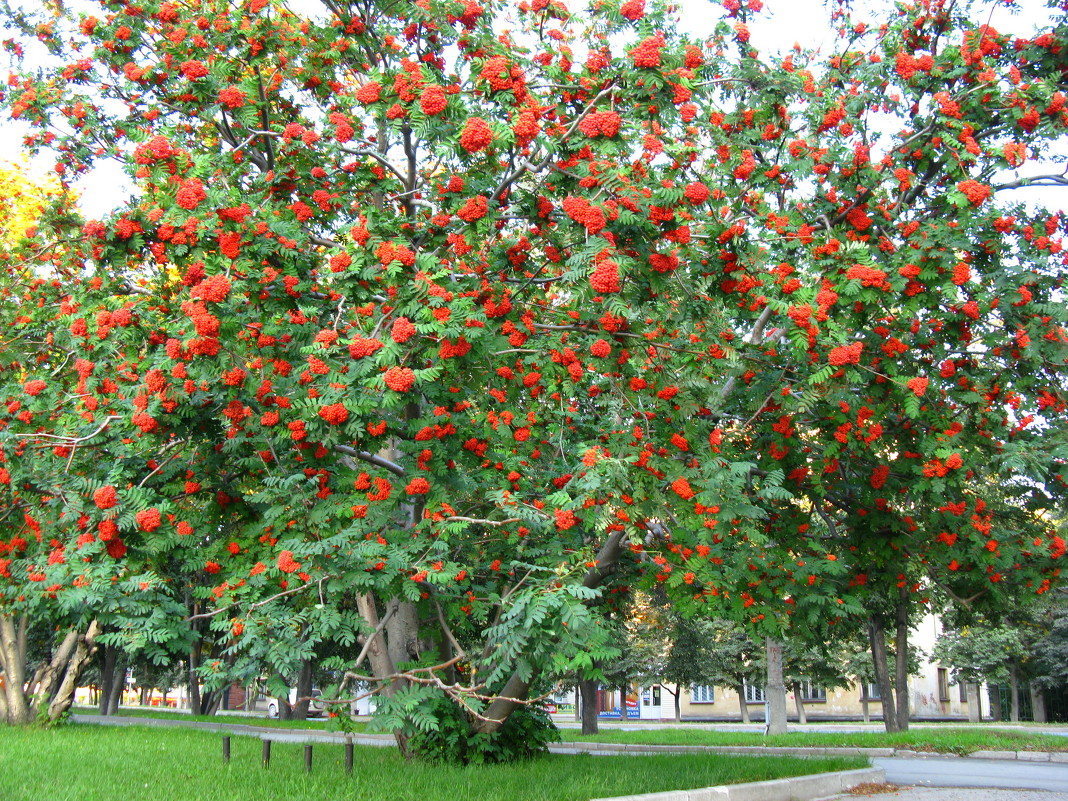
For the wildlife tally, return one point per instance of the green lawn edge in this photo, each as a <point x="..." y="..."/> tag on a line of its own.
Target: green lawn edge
<point x="958" y="740"/>
<point x="100" y="763"/>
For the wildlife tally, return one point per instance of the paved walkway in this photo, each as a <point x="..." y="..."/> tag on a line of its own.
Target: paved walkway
<point x="892" y="793"/>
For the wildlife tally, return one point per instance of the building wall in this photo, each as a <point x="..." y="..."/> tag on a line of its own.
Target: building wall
<point x="930" y="694"/>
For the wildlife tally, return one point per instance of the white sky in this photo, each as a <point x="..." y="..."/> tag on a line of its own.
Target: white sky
<point x="777" y="28"/>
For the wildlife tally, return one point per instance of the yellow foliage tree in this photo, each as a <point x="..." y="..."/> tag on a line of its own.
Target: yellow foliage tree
<point x="23" y="198"/>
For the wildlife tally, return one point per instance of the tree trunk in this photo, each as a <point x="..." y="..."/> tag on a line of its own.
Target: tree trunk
<point x="378" y="654"/>
<point x="877" y="638"/>
<point x="901" y="661"/>
<point x="623" y="704"/>
<point x="865" y="704"/>
<point x="588" y="691"/>
<point x="211" y="701"/>
<point x="193" y="677"/>
<point x="775" y="689"/>
<point x="1038" y="704"/>
<point x="1014" y="694"/>
<point x="83" y="654"/>
<point x="16" y="707"/>
<point x="678" y="703"/>
<point x="743" y="707"/>
<point x="975" y="702"/>
<point x="304" y="688"/>
<point x="107" y="680"/>
<point x="801" y="717"/>
<point x="118" y="684"/>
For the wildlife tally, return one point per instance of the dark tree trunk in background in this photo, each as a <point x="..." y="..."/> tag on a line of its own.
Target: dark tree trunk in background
<point x="304" y="688"/>
<point x="877" y="638"/>
<point x="743" y="707"/>
<point x="801" y="717"/>
<point x="588" y="691"/>
<point x="901" y="661"/>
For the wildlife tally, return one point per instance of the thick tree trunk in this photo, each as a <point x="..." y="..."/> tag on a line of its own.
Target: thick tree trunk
<point x="743" y="707"/>
<point x="13" y="661"/>
<point x="623" y="704"/>
<point x="378" y="654"/>
<point x="1014" y="694"/>
<point x="1038" y="704"/>
<point x="304" y="688"/>
<point x="588" y="691"/>
<point x="193" y="677"/>
<point x="901" y="661"/>
<point x="83" y="654"/>
<point x="775" y="689"/>
<point x="975" y="702"/>
<point x="801" y="717"/>
<point x="107" y="679"/>
<point x="50" y="693"/>
<point x="877" y="638"/>
<point x="118" y="684"/>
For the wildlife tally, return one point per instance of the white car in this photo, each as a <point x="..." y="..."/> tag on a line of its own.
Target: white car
<point x="316" y="708"/>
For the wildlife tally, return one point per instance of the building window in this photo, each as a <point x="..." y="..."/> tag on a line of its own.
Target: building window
<point x="870" y="692"/>
<point x="963" y="692"/>
<point x="703" y="694"/>
<point x="943" y="684"/>
<point x="812" y="692"/>
<point x="754" y="694"/>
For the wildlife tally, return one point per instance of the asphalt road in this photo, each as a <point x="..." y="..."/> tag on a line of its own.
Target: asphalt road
<point x="992" y="773"/>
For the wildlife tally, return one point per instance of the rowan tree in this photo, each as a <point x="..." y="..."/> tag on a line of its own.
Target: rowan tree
<point x="445" y="333"/>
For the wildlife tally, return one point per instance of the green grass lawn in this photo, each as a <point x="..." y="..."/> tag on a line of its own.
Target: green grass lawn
<point x="945" y="740"/>
<point x="246" y="720"/>
<point x="94" y="763"/>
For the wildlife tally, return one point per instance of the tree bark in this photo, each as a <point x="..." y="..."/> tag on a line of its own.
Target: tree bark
<point x="1014" y="694"/>
<point x="901" y="660"/>
<point x="588" y="691"/>
<point x="1038" y="704"/>
<point x="975" y="702"/>
<point x="13" y="661"/>
<point x="678" y="703"/>
<point x="801" y="717"/>
<point x="107" y="679"/>
<point x="743" y="707"/>
<point x="193" y="676"/>
<point x="378" y="654"/>
<point x="78" y="661"/>
<point x="877" y="638"/>
<point x="118" y="684"/>
<point x="775" y="689"/>
<point x="304" y="688"/>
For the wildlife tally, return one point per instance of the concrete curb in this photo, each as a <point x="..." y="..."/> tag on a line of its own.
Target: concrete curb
<point x="798" y="788"/>
<point x="760" y="750"/>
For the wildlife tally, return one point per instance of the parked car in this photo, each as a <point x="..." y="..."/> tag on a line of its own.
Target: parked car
<point x="316" y="708"/>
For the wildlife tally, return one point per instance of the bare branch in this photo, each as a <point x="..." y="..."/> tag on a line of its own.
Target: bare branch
<point x="372" y="458"/>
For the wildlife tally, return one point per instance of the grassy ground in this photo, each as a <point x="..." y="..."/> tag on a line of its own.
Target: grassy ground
<point x="247" y="720"/>
<point x="92" y="763"/>
<point x="945" y="740"/>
